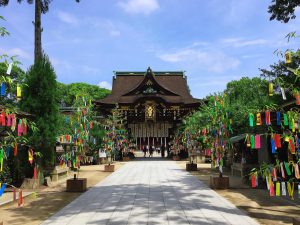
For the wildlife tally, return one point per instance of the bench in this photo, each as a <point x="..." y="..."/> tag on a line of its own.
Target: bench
<point x="242" y="168"/>
<point x="58" y="173"/>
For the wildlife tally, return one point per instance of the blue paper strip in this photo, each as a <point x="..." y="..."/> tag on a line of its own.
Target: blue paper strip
<point x="2" y="189"/>
<point x="7" y="151"/>
<point x="278" y="119"/>
<point x="273" y="146"/>
<point x="3" y="89"/>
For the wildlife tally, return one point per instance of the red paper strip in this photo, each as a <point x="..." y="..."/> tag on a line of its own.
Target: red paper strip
<point x="253" y="181"/>
<point x="292" y="146"/>
<point x="35" y="173"/>
<point x="20" y="202"/>
<point x="272" y="191"/>
<point x="268" y="118"/>
<point x="16" y="149"/>
<point x="277" y="140"/>
<point x="257" y="141"/>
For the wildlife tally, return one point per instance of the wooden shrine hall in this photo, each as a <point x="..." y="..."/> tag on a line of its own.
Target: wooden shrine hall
<point x="152" y="104"/>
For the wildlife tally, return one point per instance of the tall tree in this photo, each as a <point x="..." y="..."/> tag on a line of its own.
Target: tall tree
<point x="41" y="6"/>
<point x="283" y="10"/>
<point x="40" y="99"/>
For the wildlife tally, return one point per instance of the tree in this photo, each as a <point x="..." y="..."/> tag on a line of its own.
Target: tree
<point x="41" y="6"/>
<point x="285" y="75"/>
<point x="40" y="99"/>
<point x="69" y="92"/>
<point x="247" y="95"/>
<point x="283" y="10"/>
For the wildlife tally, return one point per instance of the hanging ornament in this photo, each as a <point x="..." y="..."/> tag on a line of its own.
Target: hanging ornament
<point x="268" y="118"/>
<point x="251" y="118"/>
<point x="3" y="118"/>
<point x="297" y="96"/>
<point x="13" y="122"/>
<point x="278" y="189"/>
<point x="270" y="89"/>
<point x="273" y="146"/>
<point x="288" y="57"/>
<point x="19" y="91"/>
<point x="283" y="93"/>
<point x="3" y="87"/>
<point x="285" y="120"/>
<point x="277" y="140"/>
<point x="8" y="71"/>
<point x="1" y="158"/>
<point x="15" y="149"/>
<point x="30" y="156"/>
<point x="258" y="119"/>
<point x="257" y="141"/>
<point x="252" y="139"/>
<point x="278" y="118"/>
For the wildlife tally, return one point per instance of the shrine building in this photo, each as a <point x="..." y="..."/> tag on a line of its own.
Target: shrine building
<point x="153" y="104"/>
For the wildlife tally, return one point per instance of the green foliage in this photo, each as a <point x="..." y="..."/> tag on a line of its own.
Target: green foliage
<point x="3" y="31"/>
<point x="283" y="10"/>
<point x="40" y="99"/>
<point x="285" y="75"/>
<point x="69" y="92"/>
<point x="247" y="95"/>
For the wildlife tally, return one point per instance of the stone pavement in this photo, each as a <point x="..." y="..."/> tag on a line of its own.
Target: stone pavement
<point x="150" y="192"/>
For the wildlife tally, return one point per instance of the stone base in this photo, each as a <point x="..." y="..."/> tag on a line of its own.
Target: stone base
<point x="219" y="182"/>
<point x="30" y="183"/>
<point x="59" y="173"/>
<point x="76" y="185"/>
<point x="109" y="168"/>
<point x="176" y="158"/>
<point x="296" y="221"/>
<point x="191" y="167"/>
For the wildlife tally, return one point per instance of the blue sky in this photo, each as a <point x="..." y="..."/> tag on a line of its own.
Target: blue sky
<point x="214" y="41"/>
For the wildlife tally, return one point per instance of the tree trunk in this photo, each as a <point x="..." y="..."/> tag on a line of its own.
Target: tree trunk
<point x="37" y="31"/>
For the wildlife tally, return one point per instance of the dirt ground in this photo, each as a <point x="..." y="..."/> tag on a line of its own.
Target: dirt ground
<point x="255" y="202"/>
<point x="49" y="200"/>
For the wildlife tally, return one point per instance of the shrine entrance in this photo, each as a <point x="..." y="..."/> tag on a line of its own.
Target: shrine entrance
<point x="151" y="103"/>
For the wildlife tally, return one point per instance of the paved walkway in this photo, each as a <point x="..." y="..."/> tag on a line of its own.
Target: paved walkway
<point x="150" y="192"/>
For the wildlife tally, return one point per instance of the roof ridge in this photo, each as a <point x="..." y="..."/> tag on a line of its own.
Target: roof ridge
<point x="140" y="73"/>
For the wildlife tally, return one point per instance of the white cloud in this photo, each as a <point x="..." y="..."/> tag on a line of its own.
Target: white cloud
<point x="217" y="81"/>
<point x="67" y="18"/>
<point x="240" y="42"/>
<point x="18" y="52"/>
<point x="114" y="33"/>
<point x="105" y="84"/>
<point x="105" y="25"/>
<point x="139" y="6"/>
<point x="213" y="60"/>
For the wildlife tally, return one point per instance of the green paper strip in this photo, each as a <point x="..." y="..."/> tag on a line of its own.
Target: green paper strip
<point x="287" y="168"/>
<point x="252" y="139"/>
<point x="251" y="119"/>
<point x="285" y="120"/>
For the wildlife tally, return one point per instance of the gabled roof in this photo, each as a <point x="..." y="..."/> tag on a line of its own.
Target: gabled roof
<point x="126" y="85"/>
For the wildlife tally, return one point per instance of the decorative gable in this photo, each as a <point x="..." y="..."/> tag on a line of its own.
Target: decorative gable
<point x="149" y="86"/>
